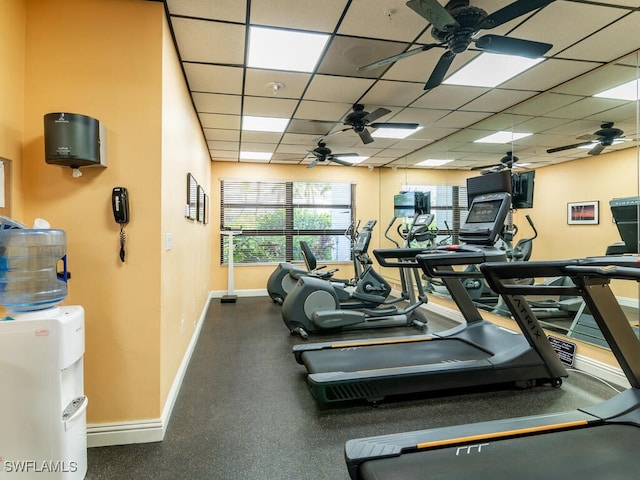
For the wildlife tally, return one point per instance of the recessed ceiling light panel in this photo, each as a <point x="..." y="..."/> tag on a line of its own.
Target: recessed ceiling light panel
<point x="627" y="91"/>
<point x="394" y="132"/>
<point x="264" y="124"/>
<point x="432" y="162"/>
<point x="491" y="70"/>
<point x="502" y="137"/>
<point x="278" y="49"/>
<point x="255" y="155"/>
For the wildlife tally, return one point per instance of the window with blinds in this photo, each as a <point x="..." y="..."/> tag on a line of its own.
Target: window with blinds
<point x="449" y="205"/>
<point x="274" y="216"/>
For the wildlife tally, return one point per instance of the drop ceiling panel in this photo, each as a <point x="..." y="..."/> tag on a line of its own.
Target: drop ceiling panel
<point x="600" y="47"/>
<point x="221" y="145"/>
<point x="498" y="99"/>
<point x="548" y="74"/>
<point x="389" y="19"/>
<point x="214" y="78"/>
<point x="269" y="107"/>
<point x="586" y="107"/>
<point x="196" y="38"/>
<point x="460" y="119"/>
<point x="346" y="54"/>
<point x="449" y="97"/>
<point x="337" y="89"/>
<point x="214" y="120"/>
<point x="217" y="103"/>
<point x="228" y="10"/>
<point x="312" y="110"/>
<point x="599" y="80"/>
<point x="261" y="137"/>
<point x="544" y="103"/>
<point x="258" y="83"/>
<point x="393" y="93"/>
<point x="220" y="134"/>
<point x="298" y="14"/>
<point x="415" y="68"/>
<point x="552" y="20"/>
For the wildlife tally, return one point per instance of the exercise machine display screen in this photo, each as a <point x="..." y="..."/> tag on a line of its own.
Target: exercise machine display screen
<point x="484" y="212"/>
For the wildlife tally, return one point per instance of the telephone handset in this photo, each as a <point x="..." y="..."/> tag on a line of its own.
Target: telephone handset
<point x="120" y="206"/>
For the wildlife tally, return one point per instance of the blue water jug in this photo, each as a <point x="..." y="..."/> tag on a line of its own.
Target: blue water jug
<point x="29" y="278"/>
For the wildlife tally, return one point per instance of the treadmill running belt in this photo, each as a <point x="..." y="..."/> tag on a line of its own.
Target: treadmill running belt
<point x="600" y="452"/>
<point x="353" y="359"/>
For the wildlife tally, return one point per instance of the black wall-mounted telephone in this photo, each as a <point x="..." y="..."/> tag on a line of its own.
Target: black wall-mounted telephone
<point x="120" y="205"/>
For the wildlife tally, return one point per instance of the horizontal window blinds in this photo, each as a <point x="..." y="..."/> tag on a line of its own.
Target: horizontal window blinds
<point x="275" y="216"/>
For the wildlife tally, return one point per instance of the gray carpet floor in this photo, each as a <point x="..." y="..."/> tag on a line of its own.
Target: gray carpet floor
<point x="244" y="410"/>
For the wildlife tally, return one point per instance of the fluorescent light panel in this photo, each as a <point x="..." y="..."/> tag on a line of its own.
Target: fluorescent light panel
<point x="289" y="50"/>
<point x="394" y="132"/>
<point x="255" y="155"/>
<point x="626" y="91"/>
<point x="264" y="124"/>
<point x="502" y="137"/>
<point x="490" y="70"/>
<point x="432" y="162"/>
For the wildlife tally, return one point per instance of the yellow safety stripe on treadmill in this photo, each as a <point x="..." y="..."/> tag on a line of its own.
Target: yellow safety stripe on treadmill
<point x="505" y="433"/>
<point x="381" y="342"/>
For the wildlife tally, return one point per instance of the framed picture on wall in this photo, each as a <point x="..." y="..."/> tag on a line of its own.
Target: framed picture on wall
<point x="192" y="197"/>
<point x="200" y="204"/>
<point x="206" y="209"/>
<point x="583" y="213"/>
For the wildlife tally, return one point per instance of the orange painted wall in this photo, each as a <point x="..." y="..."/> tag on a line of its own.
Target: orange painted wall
<point x="114" y="61"/>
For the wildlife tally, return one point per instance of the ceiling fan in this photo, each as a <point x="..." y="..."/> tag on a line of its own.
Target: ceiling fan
<point x="455" y="25"/>
<point x="599" y="139"/>
<point x="509" y="161"/>
<point x="322" y="153"/>
<point x="359" y="119"/>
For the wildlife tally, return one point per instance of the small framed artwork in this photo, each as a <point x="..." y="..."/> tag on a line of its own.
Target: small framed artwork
<point x="206" y="209"/>
<point x="583" y="213"/>
<point x="192" y="197"/>
<point x="200" y="204"/>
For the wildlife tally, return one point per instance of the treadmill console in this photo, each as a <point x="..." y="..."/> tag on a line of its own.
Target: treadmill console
<point x="485" y="219"/>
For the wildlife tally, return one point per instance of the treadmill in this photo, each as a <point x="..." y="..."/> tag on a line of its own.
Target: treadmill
<point x="472" y="354"/>
<point x="597" y="442"/>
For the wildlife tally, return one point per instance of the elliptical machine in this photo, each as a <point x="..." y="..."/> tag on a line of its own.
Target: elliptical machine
<point x="365" y="279"/>
<point x="314" y="306"/>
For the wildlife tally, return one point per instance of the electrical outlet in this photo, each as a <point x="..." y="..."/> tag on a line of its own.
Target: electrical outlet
<point x="168" y="241"/>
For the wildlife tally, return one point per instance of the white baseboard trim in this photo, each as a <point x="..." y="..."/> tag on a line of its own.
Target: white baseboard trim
<point x="146" y="430"/>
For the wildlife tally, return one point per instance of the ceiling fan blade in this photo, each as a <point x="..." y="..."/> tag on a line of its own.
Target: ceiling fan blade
<point x="365" y="136"/>
<point x="340" y="162"/>
<point x="568" y="147"/>
<point x="596" y="150"/>
<point x="514" y="10"/>
<point x="313" y="164"/>
<point x="345" y="155"/>
<point x="400" y="56"/>
<point x="376" y="114"/>
<point x="433" y="12"/>
<point x="408" y="126"/>
<point x="440" y="71"/>
<point x="512" y="46"/>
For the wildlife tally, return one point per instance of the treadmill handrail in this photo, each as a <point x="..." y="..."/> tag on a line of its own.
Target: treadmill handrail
<point x="497" y="272"/>
<point x="451" y="255"/>
<point x="406" y="255"/>
<point x="610" y="271"/>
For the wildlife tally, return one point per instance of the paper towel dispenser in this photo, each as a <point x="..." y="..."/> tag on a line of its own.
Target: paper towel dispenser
<point x="74" y="140"/>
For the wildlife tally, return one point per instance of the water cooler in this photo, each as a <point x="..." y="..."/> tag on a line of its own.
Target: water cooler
<point x="42" y="401"/>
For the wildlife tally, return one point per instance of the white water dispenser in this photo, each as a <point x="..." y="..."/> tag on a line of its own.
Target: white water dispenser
<point x="42" y="402"/>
